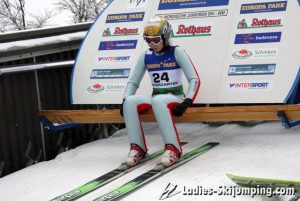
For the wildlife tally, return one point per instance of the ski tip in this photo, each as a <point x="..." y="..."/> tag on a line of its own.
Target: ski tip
<point x="184" y="143"/>
<point x="213" y="143"/>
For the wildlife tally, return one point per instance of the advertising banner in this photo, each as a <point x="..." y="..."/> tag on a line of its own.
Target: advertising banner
<point x="245" y="51"/>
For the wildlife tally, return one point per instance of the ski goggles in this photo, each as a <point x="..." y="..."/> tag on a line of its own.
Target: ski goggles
<point x="153" y="40"/>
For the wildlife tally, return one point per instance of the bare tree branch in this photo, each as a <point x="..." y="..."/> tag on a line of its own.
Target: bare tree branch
<point x="13" y="16"/>
<point x="82" y="10"/>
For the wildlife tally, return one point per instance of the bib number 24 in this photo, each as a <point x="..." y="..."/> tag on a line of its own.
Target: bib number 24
<point x="160" y="77"/>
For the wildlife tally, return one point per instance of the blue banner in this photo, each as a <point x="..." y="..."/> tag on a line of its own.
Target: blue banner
<point x="125" y="17"/>
<point x="264" y="7"/>
<point x="168" y="5"/>
<point x="252" y="69"/>
<point x="110" y="73"/>
<point x="117" y="45"/>
<point x="299" y="2"/>
<point x="268" y="37"/>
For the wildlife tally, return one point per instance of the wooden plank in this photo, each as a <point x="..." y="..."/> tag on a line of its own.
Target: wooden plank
<point x="195" y="114"/>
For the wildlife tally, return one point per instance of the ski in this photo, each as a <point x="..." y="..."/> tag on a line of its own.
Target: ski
<point x="103" y="180"/>
<point x="254" y="182"/>
<point x="153" y="174"/>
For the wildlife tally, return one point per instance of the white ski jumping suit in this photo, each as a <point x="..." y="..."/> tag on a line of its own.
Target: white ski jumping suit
<point x="165" y="70"/>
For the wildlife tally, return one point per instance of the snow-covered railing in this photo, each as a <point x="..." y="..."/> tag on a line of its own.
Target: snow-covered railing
<point x="34" y="67"/>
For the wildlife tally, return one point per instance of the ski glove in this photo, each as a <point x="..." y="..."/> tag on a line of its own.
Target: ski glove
<point x="181" y="108"/>
<point x="121" y="108"/>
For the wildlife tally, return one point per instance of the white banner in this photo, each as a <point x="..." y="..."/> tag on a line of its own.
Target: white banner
<point x="245" y="51"/>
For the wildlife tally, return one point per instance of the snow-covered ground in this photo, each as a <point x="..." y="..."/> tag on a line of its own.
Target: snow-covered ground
<point x="264" y="150"/>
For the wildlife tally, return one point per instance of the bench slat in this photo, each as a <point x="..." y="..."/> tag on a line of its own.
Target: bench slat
<point x="195" y="114"/>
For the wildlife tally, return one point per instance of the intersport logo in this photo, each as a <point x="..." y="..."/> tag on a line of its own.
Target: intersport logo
<point x="114" y="58"/>
<point x="244" y="86"/>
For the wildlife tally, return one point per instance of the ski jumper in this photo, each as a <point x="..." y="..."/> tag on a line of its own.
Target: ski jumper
<point x="165" y="71"/>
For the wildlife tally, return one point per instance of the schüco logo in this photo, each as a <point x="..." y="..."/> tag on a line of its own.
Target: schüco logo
<point x="242" y="54"/>
<point x="95" y="88"/>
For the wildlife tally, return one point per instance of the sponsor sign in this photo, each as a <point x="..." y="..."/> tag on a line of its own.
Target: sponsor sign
<point x="188" y="28"/>
<point x="268" y="37"/>
<point x="252" y="69"/>
<point x="121" y="30"/>
<point x="180" y="4"/>
<point x="125" y="17"/>
<point x="98" y="88"/>
<point x="113" y="59"/>
<point x="263" y="7"/>
<point x="249" y="86"/>
<point x="198" y="14"/>
<point x="117" y="45"/>
<point x="254" y="53"/>
<point x="110" y="73"/>
<point x="260" y="22"/>
<point x="95" y="88"/>
<point x="137" y="3"/>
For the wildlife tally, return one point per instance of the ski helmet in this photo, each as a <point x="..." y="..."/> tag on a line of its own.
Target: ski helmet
<point x="158" y="26"/>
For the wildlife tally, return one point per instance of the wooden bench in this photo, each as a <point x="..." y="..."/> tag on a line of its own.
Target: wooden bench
<point x="194" y="114"/>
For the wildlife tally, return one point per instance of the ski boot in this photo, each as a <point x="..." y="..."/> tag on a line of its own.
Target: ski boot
<point x="170" y="156"/>
<point x="135" y="155"/>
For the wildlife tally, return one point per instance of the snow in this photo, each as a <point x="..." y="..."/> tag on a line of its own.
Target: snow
<point x="16" y="45"/>
<point x="263" y="150"/>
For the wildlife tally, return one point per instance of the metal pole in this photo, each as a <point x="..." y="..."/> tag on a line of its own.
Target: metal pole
<point x="40" y="108"/>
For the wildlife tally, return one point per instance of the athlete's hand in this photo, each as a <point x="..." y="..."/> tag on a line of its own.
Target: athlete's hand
<point x="181" y="108"/>
<point x="121" y="108"/>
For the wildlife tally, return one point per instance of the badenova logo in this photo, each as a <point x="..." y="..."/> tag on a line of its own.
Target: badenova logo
<point x="120" y="31"/>
<point x="263" y="7"/>
<point x="246" y="86"/>
<point x="180" y="4"/>
<point x="255" y="53"/>
<point x="248" y="23"/>
<point x="125" y="17"/>
<point x="187" y="28"/>
<point x="117" y="45"/>
<point x="269" y="37"/>
<point x="95" y="88"/>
